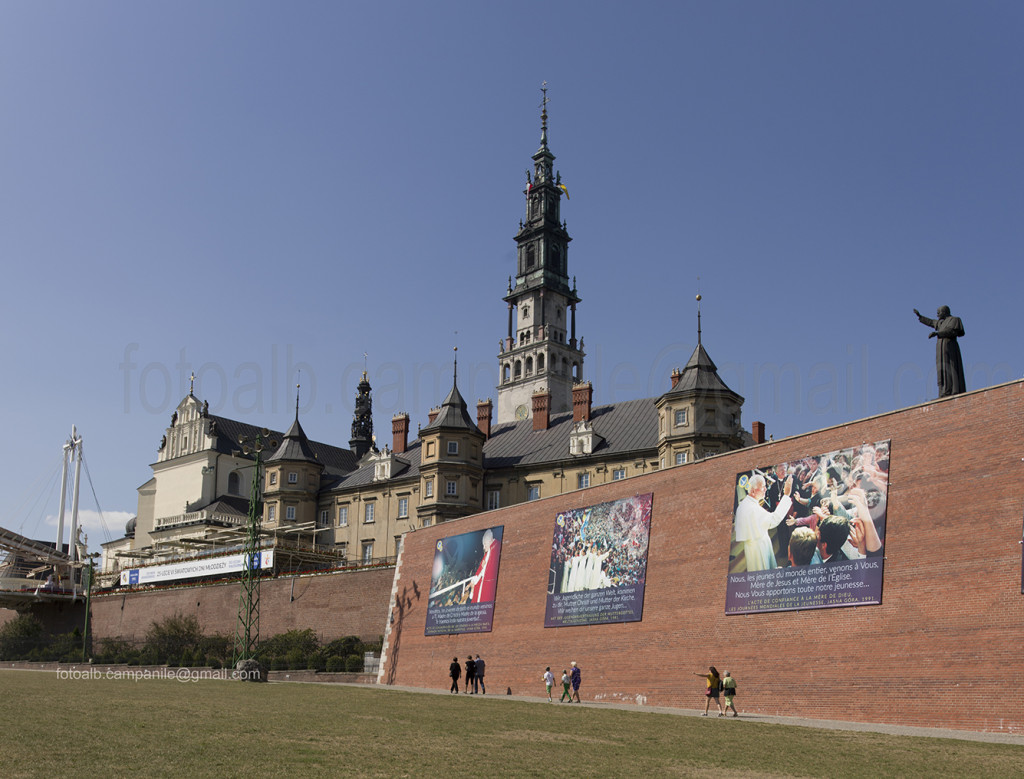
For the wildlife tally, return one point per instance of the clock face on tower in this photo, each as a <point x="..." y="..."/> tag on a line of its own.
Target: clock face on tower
<point x="521" y="412"/>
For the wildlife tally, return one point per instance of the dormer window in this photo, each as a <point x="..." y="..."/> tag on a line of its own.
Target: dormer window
<point x="453" y="447"/>
<point x="293" y="478"/>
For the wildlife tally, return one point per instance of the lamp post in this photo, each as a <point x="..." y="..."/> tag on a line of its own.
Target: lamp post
<point x="247" y="631"/>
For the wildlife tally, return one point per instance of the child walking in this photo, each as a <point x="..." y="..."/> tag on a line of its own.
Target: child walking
<point x="565" y="687"/>
<point x="549" y="681"/>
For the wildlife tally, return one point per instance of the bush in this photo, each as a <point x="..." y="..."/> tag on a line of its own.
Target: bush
<point x="317" y="661"/>
<point x="296" y="659"/>
<point x="354" y="663"/>
<point x="278" y="664"/>
<point x="170" y="637"/>
<point x="335" y="663"/>
<point x="214" y="662"/>
<point x="20" y="636"/>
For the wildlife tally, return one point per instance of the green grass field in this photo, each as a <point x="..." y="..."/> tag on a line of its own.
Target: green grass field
<point x="160" y="727"/>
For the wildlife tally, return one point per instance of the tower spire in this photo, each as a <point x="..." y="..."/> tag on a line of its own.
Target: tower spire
<point x="544" y="115"/>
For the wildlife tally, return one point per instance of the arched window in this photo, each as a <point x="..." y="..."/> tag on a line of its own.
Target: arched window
<point x="518" y="369"/>
<point x="234" y="486"/>
<point x="540" y="363"/>
<point x="506" y="373"/>
<point x="531" y="256"/>
<point x="576" y="371"/>
<point x="529" y="366"/>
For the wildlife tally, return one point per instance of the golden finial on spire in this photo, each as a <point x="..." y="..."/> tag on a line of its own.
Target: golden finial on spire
<point x="191" y="382"/>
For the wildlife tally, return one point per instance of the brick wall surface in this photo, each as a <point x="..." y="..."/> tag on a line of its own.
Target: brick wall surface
<point x="943" y="649"/>
<point x="349" y="603"/>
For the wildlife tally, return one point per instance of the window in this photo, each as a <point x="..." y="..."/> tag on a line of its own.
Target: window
<point x="367" y="551"/>
<point x="533" y="492"/>
<point x="323" y="518"/>
<point x="342" y="516"/>
<point x="681" y="458"/>
<point x="289" y="512"/>
<point x="342" y="549"/>
<point x="293" y="478"/>
<point x="493" y="499"/>
<point x="583" y="480"/>
<point x="234" y="486"/>
<point x="428" y="488"/>
<point x="427" y="522"/>
<point x="271" y="513"/>
<point x="526" y="312"/>
<point x="451" y="488"/>
<point x="403" y="507"/>
<point x="273" y="477"/>
<point x="368" y="512"/>
<point x="453" y="447"/>
<point x="618" y="473"/>
<point x="680" y="417"/>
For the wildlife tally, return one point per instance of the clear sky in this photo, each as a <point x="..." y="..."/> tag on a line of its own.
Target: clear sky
<point x="246" y="189"/>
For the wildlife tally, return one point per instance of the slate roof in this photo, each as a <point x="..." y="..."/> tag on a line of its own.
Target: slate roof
<point x="625" y="427"/>
<point x="225" y="504"/>
<point x="406" y="465"/>
<point x="295" y="446"/>
<point x="335" y="459"/>
<point x="700" y="375"/>
<point x="453" y="414"/>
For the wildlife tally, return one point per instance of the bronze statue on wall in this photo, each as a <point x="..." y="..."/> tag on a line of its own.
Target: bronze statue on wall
<point x="948" y="364"/>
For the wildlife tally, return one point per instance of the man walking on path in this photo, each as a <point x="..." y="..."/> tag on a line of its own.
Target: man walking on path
<point x="455" y="671"/>
<point x="576" y="677"/>
<point x="479" y="677"/>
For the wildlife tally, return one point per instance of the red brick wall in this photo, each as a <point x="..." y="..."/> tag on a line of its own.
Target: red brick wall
<point x="350" y="603"/>
<point x="944" y="649"/>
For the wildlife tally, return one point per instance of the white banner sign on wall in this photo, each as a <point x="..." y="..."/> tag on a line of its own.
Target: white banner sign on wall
<point x="191" y="569"/>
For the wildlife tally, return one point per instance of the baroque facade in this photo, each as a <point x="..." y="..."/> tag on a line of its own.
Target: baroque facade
<point x="354" y="504"/>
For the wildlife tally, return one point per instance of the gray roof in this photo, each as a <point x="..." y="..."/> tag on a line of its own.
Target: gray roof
<point x="453" y="414"/>
<point x="405" y="466"/>
<point x="295" y="446"/>
<point x="335" y="459"/>
<point x="699" y="375"/>
<point x="626" y="427"/>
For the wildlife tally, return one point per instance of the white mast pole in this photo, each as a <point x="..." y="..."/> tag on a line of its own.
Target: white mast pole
<point x="76" y="444"/>
<point x="63" y="493"/>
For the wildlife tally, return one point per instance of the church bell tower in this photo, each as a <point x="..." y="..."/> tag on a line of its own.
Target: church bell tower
<point x="540" y="351"/>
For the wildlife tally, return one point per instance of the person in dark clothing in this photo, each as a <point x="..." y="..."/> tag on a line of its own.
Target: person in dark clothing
<point x="455" y="671"/>
<point x="470" y="674"/>
<point x="479" y="676"/>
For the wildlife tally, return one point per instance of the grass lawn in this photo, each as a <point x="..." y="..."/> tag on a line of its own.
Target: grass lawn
<point x="160" y="727"/>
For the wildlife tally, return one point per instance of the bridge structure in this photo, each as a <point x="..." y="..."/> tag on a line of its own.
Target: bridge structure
<point x="34" y="571"/>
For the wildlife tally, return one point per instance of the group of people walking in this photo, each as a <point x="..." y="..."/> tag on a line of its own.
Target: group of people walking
<point x="569" y="679"/>
<point x="474" y="675"/>
<point x="717" y="686"/>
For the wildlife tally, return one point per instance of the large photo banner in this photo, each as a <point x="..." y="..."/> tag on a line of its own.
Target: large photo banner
<point x="810" y="534"/>
<point x="463" y="582"/>
<point x="599" y="563"/>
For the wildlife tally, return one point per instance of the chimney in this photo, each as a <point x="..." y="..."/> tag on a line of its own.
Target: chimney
<point x="676" y="376"/>
<point x="757" y="428"/>
<point x="483" y="416"/>
<point x="582" y="397"/>
<point x="432" y="415"/>
<point x="541" y="409"/>
<point x="400" y="433"/>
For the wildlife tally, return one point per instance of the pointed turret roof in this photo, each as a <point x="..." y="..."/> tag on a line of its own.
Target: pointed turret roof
<point x="699" y="375"/>
<point x="295" y="446"/>
<point x="453" y="413"/>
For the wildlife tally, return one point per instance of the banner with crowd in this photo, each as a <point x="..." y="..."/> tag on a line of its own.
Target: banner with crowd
<point x="810" y="534"/>
<point x="599" y="563"/>
<point x="463" y="582"/>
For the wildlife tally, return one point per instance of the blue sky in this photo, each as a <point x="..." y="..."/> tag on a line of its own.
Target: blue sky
<point x="246" y="189"/>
